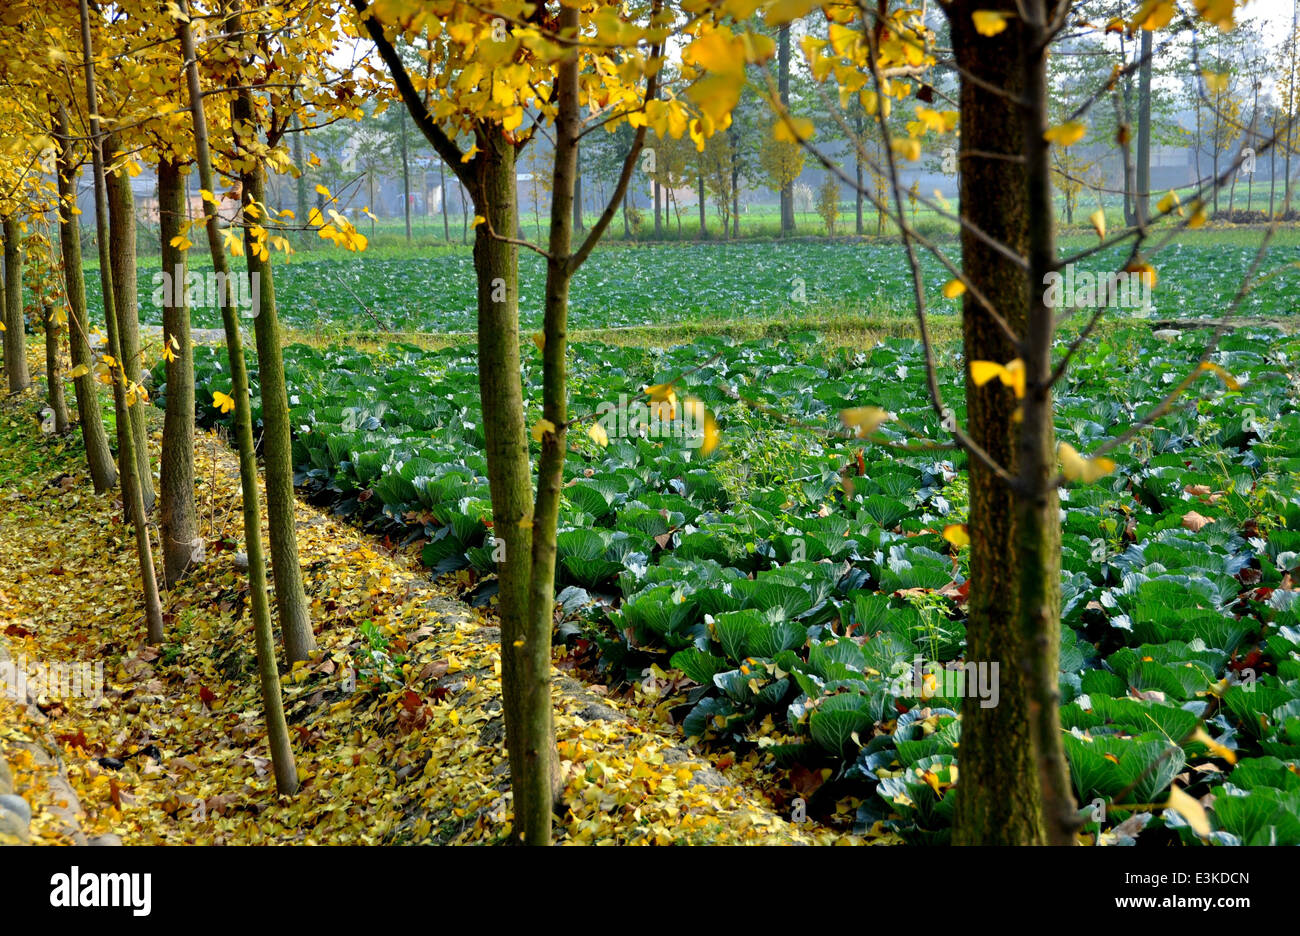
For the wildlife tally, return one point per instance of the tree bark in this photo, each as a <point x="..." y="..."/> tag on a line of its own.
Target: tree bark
<point x="524" y="675"/>
<point x="277" y="441"/>
<point x="126" y="306"/>
<point x="406" y="179"/>
<point x="783" y="90"/>
<point x="998" y="796"/>
<point x="15" y="338"/>
<point x="103" y="472"/>
<point x="178" y="523"/>
<point x="277" y="731"/>
<point x="1143" y="194"/>
<point x="54" y="395"/>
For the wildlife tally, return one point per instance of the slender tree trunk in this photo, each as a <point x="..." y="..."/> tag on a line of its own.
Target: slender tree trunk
<point x="998" y="798"/>
<point x="577" y="202"/>
<point x="524" y="660"/>
<point x="178" y="523"/>
<point x="300" y="184"/>
<point x="103" y="472"/>
<point x="445" y="206"/>
<point x="277" y="442"/>
<point x="1143" y="194"/>
<point x="1038" y="510"/>
<point x="704" y="222"/>
<point x="277" y="731"/>
<point x="783" y="90"/>
<point x="15" y="339"/>
<point x="131" y="487"/>
<point x="121" y="248"/>
<point x="53" y="369"/>
<point x="406" y="179"/>
<point x="857" y="171"/>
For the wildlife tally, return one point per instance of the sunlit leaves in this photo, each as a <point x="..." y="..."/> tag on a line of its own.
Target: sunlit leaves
<point x="1098" y="219"/>
<point x="1075" y="467"/>
<point x="863" y="420"/>
<point x="1011" y="374"/>
<point x="223" y="401"/>
<point x="990" y="22"/>
<point x="1209" y="367"/>
<point x="1191" y="811"/>
<point x="1066" y="134"/>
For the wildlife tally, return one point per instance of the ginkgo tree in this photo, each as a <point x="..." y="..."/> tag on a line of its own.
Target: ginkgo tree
<point x="497" y="76"/>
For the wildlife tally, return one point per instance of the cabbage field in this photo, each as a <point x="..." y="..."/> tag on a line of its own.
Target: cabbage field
<point x="784" y="586"/>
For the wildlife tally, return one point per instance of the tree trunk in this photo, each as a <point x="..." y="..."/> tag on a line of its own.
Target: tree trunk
<point x="783" y="89"/>
<point x="442" y="195"/>
<point x="15" y="338"/>
<point x="525" y="663"/>
<point x="406" y="179"/>
<point x="103" y="472"/>
<point x="178" y="523"/>
<point x="131" y="486"/>
<point x="1143" y="194"/>
<point x="704" y="223"/>
<point x="1038" y="533"/>
<point x="998" y="796"/>
<point x="577" y="202"/>
<point x="857" y="170"/>
<point x="300" y="184"/>
<point x="277" y="731"/>
<point x="126" y="306"/>
<point x="53" y="369"/>
<point x="277" y="442"/>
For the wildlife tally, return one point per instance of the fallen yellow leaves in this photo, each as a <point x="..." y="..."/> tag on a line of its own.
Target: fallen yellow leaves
<point x="396" y="722"/>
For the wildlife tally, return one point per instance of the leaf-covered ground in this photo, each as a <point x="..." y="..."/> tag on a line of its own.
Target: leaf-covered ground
<point x="174" y="751"/>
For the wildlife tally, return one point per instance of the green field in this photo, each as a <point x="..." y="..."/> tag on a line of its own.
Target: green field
<point x="738" y="569"/>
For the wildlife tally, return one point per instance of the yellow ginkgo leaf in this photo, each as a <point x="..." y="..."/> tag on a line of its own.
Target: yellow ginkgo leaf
<point x="1199" y="215"/>
<point x="1146" y="271"/>
<point x="81" y="370"/>
<point x="223" y="401"/>
<point x="1098" y="219"/>
<point x="1154" y="14"/>
<point x="1169" y="203"/>
<point x="793" y="130"/>
<point x="541" y="428"/>
<point x="906" y="148"/>
<point x="1192" y="811"/>
<point x="1216" y="82"/>
<point x="598" y="434"/>
<point x="660" y="393"/>
<point x="478" y="219"/>
<point x="863" y="420"/>
<point x="322" y="191"/>
<point x="953" y="288"/>
<point x="990" y="22"/>
<point x="539" y="339"/>
<point x="1217" y="749"/>
<point x="1066" y="134"/>
<point x="1077" y="468"/>
<point x="1228" y="380"/>
<point x="957" y="534"/>
<point x="712" y="436"/>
